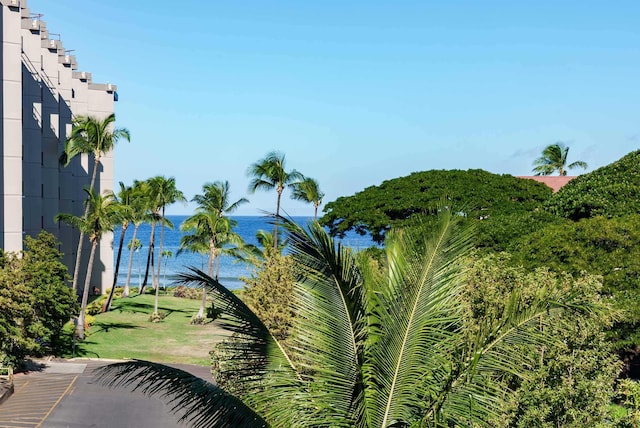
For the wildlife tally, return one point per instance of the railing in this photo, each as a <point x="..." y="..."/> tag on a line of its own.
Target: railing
<point x="6" y="373"/>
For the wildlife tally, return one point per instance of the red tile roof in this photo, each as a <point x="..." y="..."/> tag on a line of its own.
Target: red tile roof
<point x="555" y="182"/>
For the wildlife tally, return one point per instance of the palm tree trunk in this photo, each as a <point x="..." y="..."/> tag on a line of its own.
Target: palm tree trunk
<point x="107" y="304"/>
<point x="275" y="230"/>
<point x="315" y="213"/>
<point x="203" y="304"/>
<point x="149" y="254"/>
<point x="218" y="268"/>
<point x="125" y="293"/>
<point x="157" y="277"/>
<point x="76" y="270"/>
<point x="85" y="292"/>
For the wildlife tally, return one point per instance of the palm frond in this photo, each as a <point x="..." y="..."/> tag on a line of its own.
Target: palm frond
<point x="419" y="312"/>
<point x="265" y="372"/>
<point x="199" y="403"/>
<point x="330" y="324"/>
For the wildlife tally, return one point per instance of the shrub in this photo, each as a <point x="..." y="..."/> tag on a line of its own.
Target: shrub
<point x="198" y="320"/>
<point x="157" y="317"/>
<point x="187" y="292"/>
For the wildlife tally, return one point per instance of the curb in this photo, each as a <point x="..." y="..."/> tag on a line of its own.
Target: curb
<point x="6" y="390"/>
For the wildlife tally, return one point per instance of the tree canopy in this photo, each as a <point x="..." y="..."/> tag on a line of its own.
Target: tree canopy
<point x="476" y="193"/>
<point x="35" y="301"/>
<point x="612" y="190"/>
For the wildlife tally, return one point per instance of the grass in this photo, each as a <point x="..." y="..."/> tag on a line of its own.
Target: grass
<point x="126" y="332"/>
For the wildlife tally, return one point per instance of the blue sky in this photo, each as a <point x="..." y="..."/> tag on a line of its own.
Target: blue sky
<point x="357" y="92"/>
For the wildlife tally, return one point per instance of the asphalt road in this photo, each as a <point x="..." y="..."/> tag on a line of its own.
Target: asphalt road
<point x="64" y="395"/>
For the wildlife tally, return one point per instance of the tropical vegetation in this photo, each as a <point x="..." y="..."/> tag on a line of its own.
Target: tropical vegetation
<point x="102" y="215"/>
<point x="387" y="347"/>
<point x="95" y="137"/>
<point x="35" y="300"/>
<point x="210" y="228"/>
<point x="400" y="201"/>
<point x="270" y="173"/>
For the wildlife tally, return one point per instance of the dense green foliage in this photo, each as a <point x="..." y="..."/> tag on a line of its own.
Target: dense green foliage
<point x="613" y="190"/>
<point x="269" y="291"/>
<point x="570" y="379"/>
<point x="35" y="301"/>
<point x="477" y="193"/>
<point x="601" y="246"/>
<point x="373" y="345"/>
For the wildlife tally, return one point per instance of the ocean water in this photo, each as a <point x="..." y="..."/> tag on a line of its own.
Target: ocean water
<point x="230" y="269"/>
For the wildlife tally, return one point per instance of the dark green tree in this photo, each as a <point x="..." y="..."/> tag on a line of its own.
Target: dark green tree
<point x="401" y="201"/>
<point x="613" y="190"/>
<point x="35" y="301"/>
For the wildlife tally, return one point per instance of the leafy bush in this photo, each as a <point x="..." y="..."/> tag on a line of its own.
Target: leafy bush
<point x="95" y="307"/>
<point x="157" y="317"/>
<point x="35" y="301"/>
<point x="187" y="292"/>
<point x="269" y="293"/>
<point x="571" y="377"/>
<point x="601" y="246"/>
<point x="198" y="320"/>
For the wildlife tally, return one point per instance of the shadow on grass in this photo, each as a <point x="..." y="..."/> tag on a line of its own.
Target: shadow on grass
<point x="69" y="348"/>
<point x="106" y="326"/>
<point x="144" y="308"/>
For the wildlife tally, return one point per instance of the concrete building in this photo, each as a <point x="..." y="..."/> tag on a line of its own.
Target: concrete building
<point x="41" y="89"/>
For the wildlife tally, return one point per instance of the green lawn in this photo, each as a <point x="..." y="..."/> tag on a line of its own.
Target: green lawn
<point x="125" y="332"/>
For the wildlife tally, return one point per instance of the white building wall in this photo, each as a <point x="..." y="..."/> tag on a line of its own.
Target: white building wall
<point x="41" y="92"/>
<point x="11" y="130"/>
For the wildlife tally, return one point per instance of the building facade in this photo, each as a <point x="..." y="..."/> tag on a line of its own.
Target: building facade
<point x="41" y="90"/>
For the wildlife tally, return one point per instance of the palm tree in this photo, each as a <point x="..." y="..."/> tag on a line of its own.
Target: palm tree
<point x="308" y="190"/>
<point x="164" y="192"/>
<point x="134" y="246"/>
<point x="210" y="225"/>
<point x="269" y="173"/>
<point x="166" y="254"/>
<point x="102" y="216"/>
<point x="124" y="201"/>
<point x="257" y="254"/>
<point x="91" y="136"/>
<point x="139" y="214"/>
<point x="367" y="349"/>
<point x="554" y="158"/>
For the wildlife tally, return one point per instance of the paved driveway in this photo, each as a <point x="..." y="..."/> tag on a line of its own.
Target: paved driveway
<point x="64" y="395"/>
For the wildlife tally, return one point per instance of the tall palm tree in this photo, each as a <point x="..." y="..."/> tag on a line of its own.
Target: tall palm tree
<point x="308" y="190"/>
<point x="102" y="216"/>
<point x="367" y="349"/>
<point x="554" y="158"/>
<point x="124" y="201"/>
<point x="164" y="192"/>
<point x="139" y="214"/>
<point x="270" y="173"/>
<point x="91" y="136"/>
<point x="209" y="223"/>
